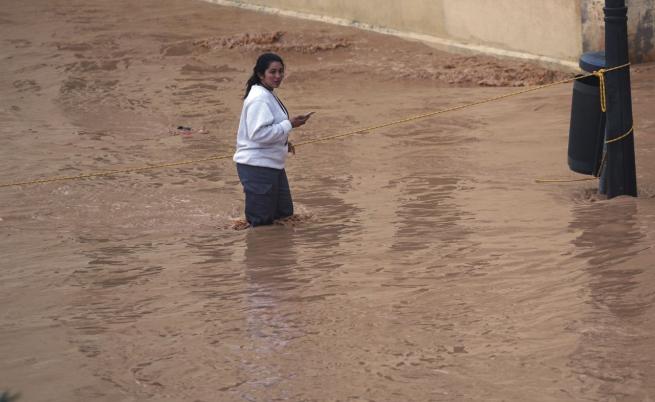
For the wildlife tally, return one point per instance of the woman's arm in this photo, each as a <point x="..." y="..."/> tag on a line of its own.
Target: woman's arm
<point x="261" y="126"/>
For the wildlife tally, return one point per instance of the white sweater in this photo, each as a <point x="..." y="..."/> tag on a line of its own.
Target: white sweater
<point x="263" y="131"/>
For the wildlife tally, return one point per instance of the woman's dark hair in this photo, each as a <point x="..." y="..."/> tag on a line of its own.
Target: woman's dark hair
<point x="263" y="61"/>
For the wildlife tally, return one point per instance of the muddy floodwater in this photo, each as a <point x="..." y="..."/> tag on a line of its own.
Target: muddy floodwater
<point x="425" y="263"/>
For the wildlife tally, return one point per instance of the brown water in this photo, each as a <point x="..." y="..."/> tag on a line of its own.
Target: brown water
<point x="425" y="265"/>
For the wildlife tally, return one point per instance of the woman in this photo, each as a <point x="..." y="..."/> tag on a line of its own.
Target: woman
<point x="263" y="144"/>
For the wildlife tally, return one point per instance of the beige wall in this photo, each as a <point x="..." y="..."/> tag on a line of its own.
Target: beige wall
<point x="419" y="16"/>
<point x="551" y="31"/>
<point x="641" y="27"/>
<point x="547" y="28"/>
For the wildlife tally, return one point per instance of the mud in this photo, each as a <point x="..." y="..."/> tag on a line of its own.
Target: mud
<point x="424" y="262"/>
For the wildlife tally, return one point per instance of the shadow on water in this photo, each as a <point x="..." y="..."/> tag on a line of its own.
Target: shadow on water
<point x="611" y="359"/>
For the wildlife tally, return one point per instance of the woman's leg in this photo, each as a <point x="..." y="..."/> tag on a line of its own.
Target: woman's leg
<point x="284" y="201"/>
<point x="261" y="188"/>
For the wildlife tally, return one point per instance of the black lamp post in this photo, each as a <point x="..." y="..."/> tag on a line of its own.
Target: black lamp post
<point x="620" y="172"/>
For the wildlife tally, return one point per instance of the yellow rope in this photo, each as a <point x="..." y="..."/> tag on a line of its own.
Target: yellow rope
<point x="600" y="169"/>
<point x="595" y="177"/>
<point x="619" y="138"/>
<point x="603" y="96"/>
<point x="332" y="137"/>
<point x="564" y="180"/>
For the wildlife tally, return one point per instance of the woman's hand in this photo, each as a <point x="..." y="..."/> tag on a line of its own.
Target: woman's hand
<point x="298" y="121"/>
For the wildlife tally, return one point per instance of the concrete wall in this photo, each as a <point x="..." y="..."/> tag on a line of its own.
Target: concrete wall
<point x="545" y="28"/>
<point x="417" y="16"/>
<point x="641" y="28"/>
<point x="553" y="31"/>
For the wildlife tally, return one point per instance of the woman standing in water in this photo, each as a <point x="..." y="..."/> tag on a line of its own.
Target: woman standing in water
<point x="262" y="144"/>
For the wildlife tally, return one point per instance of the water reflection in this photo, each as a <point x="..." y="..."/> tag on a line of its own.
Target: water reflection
<point x="610" y="360"/>
<point x="270" y="263"/>
<point x="270" y="258"/>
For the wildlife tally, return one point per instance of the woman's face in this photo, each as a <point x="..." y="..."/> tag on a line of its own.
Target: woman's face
<point x="273" y="75"/>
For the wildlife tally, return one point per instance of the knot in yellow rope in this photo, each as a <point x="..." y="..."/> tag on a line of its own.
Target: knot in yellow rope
<point x="601" y="79"/>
